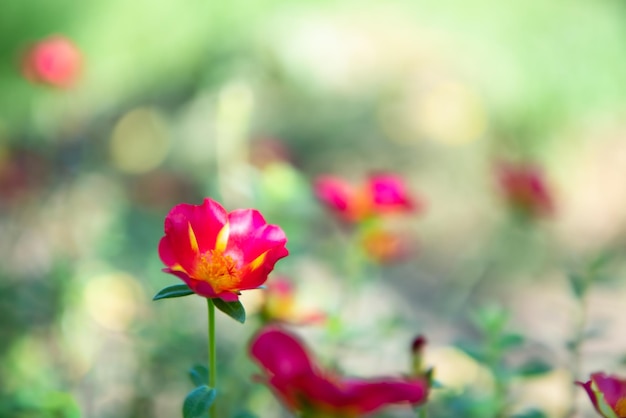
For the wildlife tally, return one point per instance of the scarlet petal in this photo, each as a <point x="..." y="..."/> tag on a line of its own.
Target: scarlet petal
<point x="206" y="221"/>
<point x="372" y="395"/>
<point x="295" y="379"/>
<point x="389" y="192"/>
<point x="334" y="192"/>
<point x="281" y="354"/>
<point x="251" y="236"/>
<point x="590" y="392"/>
<point x="611" y="387"/>
<point x="166" y="253"/>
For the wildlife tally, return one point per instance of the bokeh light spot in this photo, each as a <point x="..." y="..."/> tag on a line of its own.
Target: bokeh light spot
<point x="113" y="300"/>
<point x="140" y="141"/>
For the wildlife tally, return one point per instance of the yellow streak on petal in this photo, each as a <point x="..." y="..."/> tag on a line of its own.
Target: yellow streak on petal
<point x="192" y="239"/>
<point x="257" y="262"/>
<point x="178" y="267"/>
<point x="222" y="238"/>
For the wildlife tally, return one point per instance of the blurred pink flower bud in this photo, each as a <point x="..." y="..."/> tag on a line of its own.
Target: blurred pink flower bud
<point x="607" y="394"/>
<point x="55" y="61"/>
<point x="525" y="189"/>
<point x="380" y="194"/>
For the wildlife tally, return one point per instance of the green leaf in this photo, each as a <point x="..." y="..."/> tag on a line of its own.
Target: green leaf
<point x="198" y="401"/>
<point x="532" y="413"/>
<point x="199" y="375"/>
<point x="579" y="284"/>
<point x="601" y="261"/>
<point x="491" y="319"/>
<point x="245" y="414"/>
<point x="511" y="340"/>
<point x="173" y="291"/>
<point x="534" y="368"/>
<point x="472" y="350"/>
<point x="233" y="309"/>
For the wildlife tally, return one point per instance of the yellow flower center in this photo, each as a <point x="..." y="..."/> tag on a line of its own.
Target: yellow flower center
<point x="219" y="270"/>
<point x="620" y="407"/>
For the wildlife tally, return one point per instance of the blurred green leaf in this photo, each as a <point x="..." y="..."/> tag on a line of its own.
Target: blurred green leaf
<point x="233" y="309"/>
<point x="578" y="283"/>
<point x="532" y="413"/>
<point x="199" y="375"/>
<point x="472" y="350"/>
<point x="198" y="401"/>
<point x="244" y="414"/>
<point x="534" y="368"/>
<point x="490" y="319"/>
<point x="508" y="341"/>
<point x="174" y="291"/>
<point x="600" y="261"/>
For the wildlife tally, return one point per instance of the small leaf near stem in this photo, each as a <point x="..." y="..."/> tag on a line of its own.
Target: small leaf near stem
<point x="198" y="401"/>
<point x="199" y="375"/>
<point x="173" y="291"/>
<point x="233" y="309"/>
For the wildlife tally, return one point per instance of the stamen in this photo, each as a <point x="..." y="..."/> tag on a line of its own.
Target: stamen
<point x="219" y="270"/>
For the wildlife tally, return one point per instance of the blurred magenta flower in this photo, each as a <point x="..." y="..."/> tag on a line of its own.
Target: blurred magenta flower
<point x="55" y="61"/>
<point x="525" y="189"/>
<point x="607" y="393"/>
<point x="381" y="194"/>
<point x="280" y="305"/>
<point x="218" y="254"/>
<point x="303" y="387"/>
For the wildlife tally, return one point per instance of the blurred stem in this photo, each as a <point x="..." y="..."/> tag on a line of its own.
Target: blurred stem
<point x="422" y="412"/>
<point x="212" y="354"/>
<point x="575" y="350"/>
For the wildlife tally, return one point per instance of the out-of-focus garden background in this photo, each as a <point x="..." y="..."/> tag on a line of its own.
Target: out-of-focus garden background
<point x="248" y="102"/>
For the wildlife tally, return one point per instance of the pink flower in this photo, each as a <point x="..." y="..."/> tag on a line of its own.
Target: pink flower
<point x="607" y="393"/>
<point x="525" y="189"/>
<point x="218" y="254"/>
<point x="381" y="194"/>
<point x="302" y="386"/>
<point x="54" y="61"/>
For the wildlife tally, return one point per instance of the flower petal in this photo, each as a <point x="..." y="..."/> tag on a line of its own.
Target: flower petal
<point x="280" y="354"/>
<point x="368" y="396"/>
<point x="611" y="387"/>
<point x="334" y="192"/>
<point x="388" y="192"/>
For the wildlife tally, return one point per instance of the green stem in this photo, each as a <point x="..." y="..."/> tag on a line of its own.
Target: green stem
<point x="422" y="412"/>
<point x="212" y="354"/>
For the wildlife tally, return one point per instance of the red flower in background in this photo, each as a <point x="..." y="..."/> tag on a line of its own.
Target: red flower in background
<point x="55" y="61"/>
<point x="607" y="393"/>
<point x="216" y="253"/>
<point x="525" y="189"/>
<point x="381" y="194"/>
<point x="280" y="305"/>
<point x="302" y="386"/>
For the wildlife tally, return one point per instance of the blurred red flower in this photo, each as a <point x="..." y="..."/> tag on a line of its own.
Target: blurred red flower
<point x="303" y="387"/>
<point x="280" y="305"/>
<point x="55" y="61"/>
<point x="525" y="189"/>
<point x="607" y="393"/>
<point x="381" y="194"/>
<point x="216" y="253"/>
